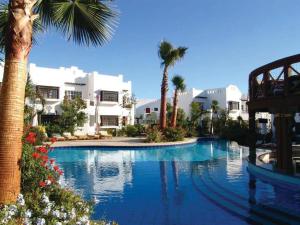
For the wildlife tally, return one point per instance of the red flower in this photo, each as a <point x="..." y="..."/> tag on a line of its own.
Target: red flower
<point x="43" y="164"/>
<point x="60" y="172"/>
<point x="43" y="149"/>
<point x="35" y="155"/>
<point x="56" y="168"/>
<point x="44" y="158"/>
<point x="53" y="140"/>
<point x="42" y="184"/>
<point x="31" y="138"/>
<point x="52" y="161"/>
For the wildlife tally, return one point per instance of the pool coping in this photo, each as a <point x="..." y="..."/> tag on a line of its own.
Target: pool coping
<point x="127" y="145"/>
<point x="273" y="176"/>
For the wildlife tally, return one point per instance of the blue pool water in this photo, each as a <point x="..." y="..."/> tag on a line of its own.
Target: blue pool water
<point x="204" y="183"/>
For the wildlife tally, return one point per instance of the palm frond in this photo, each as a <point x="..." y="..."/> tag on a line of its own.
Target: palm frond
<point x="88" y="22"/>
<point x="170" y="55"/>
<point x="178" y="82"/>
<point x="164" y="50"/>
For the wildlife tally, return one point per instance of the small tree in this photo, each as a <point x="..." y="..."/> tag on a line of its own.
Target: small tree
<point x="179" y="85"/>
<point x="214" y="110"/>
<point x="196" y="112"/>
<point x="72" y="114"/>
<point x="33" y="97"/>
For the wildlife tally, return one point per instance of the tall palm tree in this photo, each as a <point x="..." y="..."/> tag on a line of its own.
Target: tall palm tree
<point x="169" y="56"/>
<point x="214" y="110"/>
<point x="86" y="22"/>
<point x="178" y="82"/>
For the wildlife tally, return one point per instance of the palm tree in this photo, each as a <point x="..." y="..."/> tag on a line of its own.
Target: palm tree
<point x="179" y="85"/>
<point x="214" y="110"/>
<point x="169" y="56"/>
<point x="86" y="22"/>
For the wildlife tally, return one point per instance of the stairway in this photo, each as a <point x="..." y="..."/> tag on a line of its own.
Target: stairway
<point x="225" y="197"/>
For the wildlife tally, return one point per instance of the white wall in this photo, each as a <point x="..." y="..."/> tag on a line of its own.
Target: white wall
<point x="74" y="79"/>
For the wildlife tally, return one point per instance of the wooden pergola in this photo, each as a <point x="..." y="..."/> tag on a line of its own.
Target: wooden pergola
<point x="275" y="88"/>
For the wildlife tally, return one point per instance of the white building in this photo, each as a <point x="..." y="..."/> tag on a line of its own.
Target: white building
<point x="229" y="98"/>
<point x="108" y="98"/>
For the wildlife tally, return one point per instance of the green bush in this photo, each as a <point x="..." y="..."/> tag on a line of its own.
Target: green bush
<point x="236" y="131"/>
<point x="53" y="128"/>
<point x="131" y="131"/>
<point x="153" y="135"/>
<point x="173" y="134"/>
<point x="141" y="129"/>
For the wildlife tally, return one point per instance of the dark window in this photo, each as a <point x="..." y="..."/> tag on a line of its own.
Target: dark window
<point x="47" y="119"/>
<point x="147" y="110"/>
<point x="48" y="92"/>
<point x="155" y="109"/>
<point x="233" y="105"/>
<point x="109" y="96"/>
<point x="92" y="103"/>
<point x="73" y="94"/>
<point x="109" y="121"/>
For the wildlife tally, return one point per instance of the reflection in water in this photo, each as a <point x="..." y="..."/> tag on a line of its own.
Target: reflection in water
<point x="167" y="186"/>
<point x="103" y="173"/>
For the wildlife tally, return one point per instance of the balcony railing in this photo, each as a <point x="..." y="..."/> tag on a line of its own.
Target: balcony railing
<point x="276" y="79"/>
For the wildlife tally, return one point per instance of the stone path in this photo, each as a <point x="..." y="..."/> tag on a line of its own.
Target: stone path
<point x="120" y="142"/>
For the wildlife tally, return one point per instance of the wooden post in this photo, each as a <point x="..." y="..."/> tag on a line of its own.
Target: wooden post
<point x="252" y="138"/>
<point x="283" y="126"/>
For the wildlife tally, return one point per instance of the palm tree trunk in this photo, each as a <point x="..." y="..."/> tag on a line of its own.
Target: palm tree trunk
<point x="163" y="100"/>
<point x="174" y="113"/>
<point x="18" y="46"/>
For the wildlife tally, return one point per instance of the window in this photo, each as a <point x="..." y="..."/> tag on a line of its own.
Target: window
<point x="233" y="105"/>
<point x="109" y="96"/>
<point x="155" y="109"/>
<point x="73" y="94"/>
<point x="147" y="110"/>
<point x="92" y="103"/>
<point x="48" y="92"/>
<point x="109" y="121"/>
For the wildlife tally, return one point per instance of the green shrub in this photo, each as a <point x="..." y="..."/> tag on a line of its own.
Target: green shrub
<point x="236" y="131"/>
<point x="173" y="134"/>
<point x="53" y="128"/>
<point x="153" y="135"/>
<point x="131" y="131"/>
<point x="141" y="129"/>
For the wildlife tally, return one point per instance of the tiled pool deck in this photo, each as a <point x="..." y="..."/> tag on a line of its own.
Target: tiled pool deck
<point x="121" y="142"/>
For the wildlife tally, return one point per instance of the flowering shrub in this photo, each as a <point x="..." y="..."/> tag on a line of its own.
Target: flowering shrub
<point x="43" y="201"/>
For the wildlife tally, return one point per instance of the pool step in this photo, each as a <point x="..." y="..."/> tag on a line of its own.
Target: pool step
<point x="271" y="214"/>
<point x="291" y="217"/>
<point x="227" y="205"/>
<point x="239" y="205"/>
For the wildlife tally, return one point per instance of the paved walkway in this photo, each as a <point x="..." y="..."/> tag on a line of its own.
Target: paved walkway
<point x="120" y="142"/>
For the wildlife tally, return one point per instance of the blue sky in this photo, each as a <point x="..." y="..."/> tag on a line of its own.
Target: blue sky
<point x="226" y="40"/>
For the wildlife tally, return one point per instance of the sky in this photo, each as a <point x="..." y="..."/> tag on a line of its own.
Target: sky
<point x="226" y="40"/>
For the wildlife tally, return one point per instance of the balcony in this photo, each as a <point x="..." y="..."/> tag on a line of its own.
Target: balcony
<point x="276" y="84"/>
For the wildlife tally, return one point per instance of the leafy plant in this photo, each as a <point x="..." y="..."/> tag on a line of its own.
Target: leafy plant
<point x="72" y="114"/>
<point x="173" y="134"/>
<point x="153" y="136"/>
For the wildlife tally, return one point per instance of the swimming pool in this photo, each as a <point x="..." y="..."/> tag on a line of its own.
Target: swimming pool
<point x="203" y="183"/>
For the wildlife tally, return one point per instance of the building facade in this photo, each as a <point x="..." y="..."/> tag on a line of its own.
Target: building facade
<point x="108" y="98"/>
<point x="229" y="98"/>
